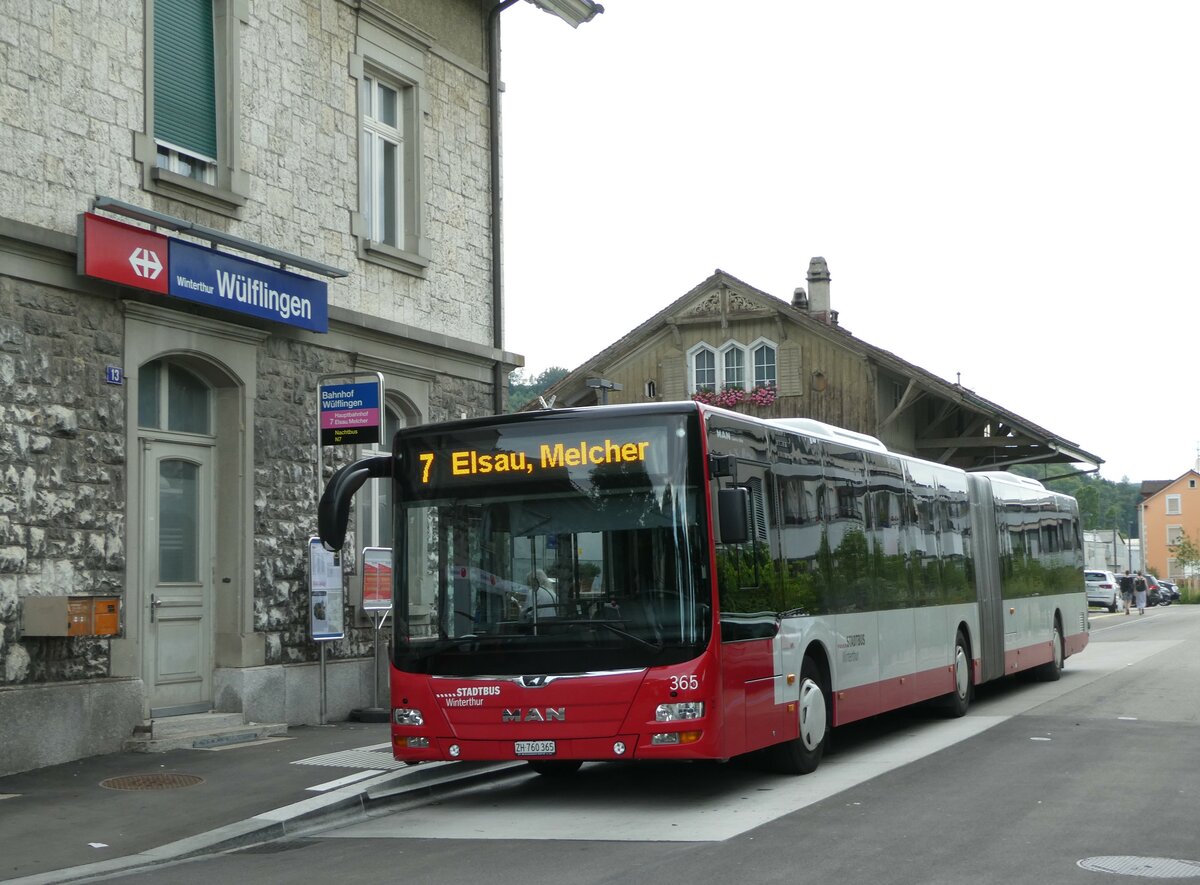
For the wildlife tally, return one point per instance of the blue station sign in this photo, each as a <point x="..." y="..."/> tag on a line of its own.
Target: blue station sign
<point x="145" y="259"/>
<point x="231" y="283"/>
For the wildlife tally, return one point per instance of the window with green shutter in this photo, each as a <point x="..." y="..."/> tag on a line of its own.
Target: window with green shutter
<point x="185" y="103"/>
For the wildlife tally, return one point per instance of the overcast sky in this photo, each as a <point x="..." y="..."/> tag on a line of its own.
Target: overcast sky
<point x="1006" y="191"/>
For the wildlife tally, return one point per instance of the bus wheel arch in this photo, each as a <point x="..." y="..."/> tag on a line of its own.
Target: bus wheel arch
<point x="802" y="754"/>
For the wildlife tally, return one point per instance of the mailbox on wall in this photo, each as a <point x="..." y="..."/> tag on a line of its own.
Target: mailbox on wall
<point x="71" y="615"/>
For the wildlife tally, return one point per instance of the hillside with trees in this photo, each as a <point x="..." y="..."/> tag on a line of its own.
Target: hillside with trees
<point x="523" y="388"/>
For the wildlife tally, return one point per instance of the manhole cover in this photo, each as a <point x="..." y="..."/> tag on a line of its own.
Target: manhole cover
<point x="1146" y="867"/>
<point x="157" y="781"/>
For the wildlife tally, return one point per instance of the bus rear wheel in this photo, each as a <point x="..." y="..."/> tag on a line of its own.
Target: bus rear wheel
<point x="1052" y="671"/>
<point x="803" y="754"/>
<point x="958" y="701"/>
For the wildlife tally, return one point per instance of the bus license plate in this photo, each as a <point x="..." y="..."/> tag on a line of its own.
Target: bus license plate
<point x="535" y="748"/>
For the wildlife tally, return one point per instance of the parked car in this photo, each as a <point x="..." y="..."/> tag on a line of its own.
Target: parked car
<point x="1169" y="588"/>
<point x="1102" y="589"/>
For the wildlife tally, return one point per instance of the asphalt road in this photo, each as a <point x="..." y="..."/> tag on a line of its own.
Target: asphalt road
<point x="1091" y="779"/>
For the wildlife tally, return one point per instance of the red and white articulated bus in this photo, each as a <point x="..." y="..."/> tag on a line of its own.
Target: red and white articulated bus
<point x="677" y="581"/>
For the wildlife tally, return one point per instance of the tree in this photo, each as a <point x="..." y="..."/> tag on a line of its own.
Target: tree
<point x="1187" y="554"/>
<point x="522" y="389"/>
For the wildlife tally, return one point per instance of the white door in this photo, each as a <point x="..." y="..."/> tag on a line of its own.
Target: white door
<point x="177" y="493"/>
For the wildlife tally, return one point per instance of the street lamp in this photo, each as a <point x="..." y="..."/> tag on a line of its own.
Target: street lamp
<point x="573" y="12"/>
<point x="604" y="386"/>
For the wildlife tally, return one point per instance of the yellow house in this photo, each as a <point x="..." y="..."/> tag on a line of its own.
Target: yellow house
<point x="1170" y="510"/>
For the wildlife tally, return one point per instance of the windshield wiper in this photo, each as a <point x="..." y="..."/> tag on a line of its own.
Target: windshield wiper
<point x="466" y="639"/>
<point x="657" y="646"/>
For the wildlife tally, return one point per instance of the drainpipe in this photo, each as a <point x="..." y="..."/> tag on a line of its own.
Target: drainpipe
<point x="493" y="51"/>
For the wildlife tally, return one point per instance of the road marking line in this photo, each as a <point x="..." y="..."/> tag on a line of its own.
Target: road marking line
<point x="342" y="781"/>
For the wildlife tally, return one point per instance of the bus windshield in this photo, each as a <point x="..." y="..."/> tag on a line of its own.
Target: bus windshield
<point x="538" y="546"/>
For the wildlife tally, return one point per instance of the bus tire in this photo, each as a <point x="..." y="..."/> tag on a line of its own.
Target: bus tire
<point x="556" y="767"/>
<point x="803" y="754"/>
<point x="958" y="701"/>
<point x="1052" y="672"/>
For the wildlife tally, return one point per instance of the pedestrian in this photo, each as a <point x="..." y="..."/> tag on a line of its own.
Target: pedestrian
<point x="1125" y="582"/>
<point x="1139" y="591"/>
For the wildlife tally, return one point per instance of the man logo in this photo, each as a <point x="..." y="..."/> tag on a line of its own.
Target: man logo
<point x="534" y="714"/>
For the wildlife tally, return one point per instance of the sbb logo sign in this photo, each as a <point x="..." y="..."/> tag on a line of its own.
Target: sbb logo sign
<point x="131" y="256"/>
<point x="145" y="263"/>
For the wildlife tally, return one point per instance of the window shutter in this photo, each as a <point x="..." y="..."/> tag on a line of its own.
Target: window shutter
<point x="185" y="94"/>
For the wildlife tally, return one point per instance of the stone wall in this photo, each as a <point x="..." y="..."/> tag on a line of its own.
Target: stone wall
<point x="285" y="499"/>
<point x="76" y="95"/>
<point x="452" y="398"/>
<point x="62" y="469"/>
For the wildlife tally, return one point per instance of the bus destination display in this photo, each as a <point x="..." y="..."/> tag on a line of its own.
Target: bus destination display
<point x="463" y="462"/>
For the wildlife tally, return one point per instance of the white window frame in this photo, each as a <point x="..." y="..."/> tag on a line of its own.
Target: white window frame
<point x="186" y="163"/>
<point x="724" y="365"/>
<point x="693" y="385"/>
<point x="1175" y="534"/>
<point x="755" y="346"/>
<point x="385" y="55"/>
<point x="377" y="135"/>
<point x="1174" y="505"/>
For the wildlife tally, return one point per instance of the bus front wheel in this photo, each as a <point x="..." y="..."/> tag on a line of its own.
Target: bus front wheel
<point x="803" y="754"/>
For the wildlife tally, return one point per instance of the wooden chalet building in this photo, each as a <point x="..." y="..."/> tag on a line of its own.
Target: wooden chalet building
<point x="739" y="347"/>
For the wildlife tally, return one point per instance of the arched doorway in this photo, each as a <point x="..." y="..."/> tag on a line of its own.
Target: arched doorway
<point x="192" y="388"/>
<point x="177" y="431"/>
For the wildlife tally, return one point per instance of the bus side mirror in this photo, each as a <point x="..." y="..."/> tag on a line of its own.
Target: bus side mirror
<point x="333" y="510"/>
<point x="733" y="505"/>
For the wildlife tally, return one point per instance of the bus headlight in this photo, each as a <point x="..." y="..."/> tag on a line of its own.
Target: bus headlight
<point x="407" y="716"/>
<point x="678" y="712"/>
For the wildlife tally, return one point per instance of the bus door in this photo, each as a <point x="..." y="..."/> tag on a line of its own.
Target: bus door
<point x="748" y="590"/>
<point x="986" y="543"/>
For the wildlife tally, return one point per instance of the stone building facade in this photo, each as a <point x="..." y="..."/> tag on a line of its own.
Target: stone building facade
<point x="146" y="436"/>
